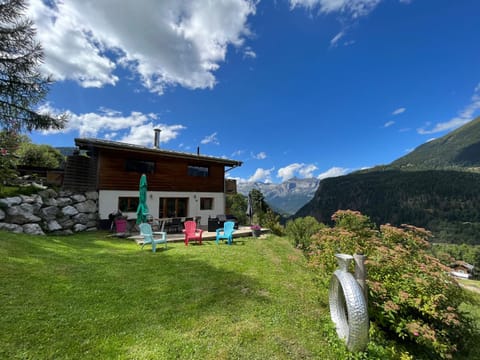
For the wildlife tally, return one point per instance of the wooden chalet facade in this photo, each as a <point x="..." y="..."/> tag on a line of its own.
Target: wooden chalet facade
<point x="179" y="184"/>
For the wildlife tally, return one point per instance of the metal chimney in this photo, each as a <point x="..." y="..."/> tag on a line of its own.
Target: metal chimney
<point x="156" y="142"/>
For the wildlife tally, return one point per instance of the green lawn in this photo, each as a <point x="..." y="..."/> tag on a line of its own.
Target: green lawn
<point x="93" y="296"/>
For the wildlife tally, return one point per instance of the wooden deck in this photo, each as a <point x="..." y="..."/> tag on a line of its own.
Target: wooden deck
<point x="242" y="231"/>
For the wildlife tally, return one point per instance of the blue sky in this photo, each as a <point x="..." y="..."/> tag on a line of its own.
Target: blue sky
<point x="305" y="88"/>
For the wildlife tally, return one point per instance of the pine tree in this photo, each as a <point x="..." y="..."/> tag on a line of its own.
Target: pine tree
<point x="22" y="86"/>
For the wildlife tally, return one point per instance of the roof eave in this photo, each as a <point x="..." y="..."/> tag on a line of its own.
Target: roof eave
<point x="86" y="143"/>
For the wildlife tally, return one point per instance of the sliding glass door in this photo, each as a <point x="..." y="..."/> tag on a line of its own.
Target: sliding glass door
<point x="173" y="207"/>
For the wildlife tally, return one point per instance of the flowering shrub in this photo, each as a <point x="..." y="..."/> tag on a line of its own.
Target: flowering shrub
<point x="411" y="294"/>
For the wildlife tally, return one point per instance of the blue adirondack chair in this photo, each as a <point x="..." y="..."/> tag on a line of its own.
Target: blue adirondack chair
<point x="152" y="237"/>
<point x="226" y="232"/>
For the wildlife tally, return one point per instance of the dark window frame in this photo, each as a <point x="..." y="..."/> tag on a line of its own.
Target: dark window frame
<point x="205" y="201"/>
<point x="198" y="170"/>
<point x="128" y="203"/>
<point x="171" y="207"/>
<point x="140" y="166"/>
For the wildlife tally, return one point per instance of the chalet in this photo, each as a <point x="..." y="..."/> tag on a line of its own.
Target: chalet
<point x="462" y="269"/>
<point x="179" y="184"/>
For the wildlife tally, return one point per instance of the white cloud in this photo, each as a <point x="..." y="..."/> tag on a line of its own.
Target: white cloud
<point x="349" y="11"/>
<point x="249" y="53"/>
<point x="307" y="171"/>
<point x="168" y="42"/>
<point x="260" y="156"/>
<point x="336" y="38"/>
<point x="144" y="134"/>
<point x="261" y="175"/>
<point x="108" y="124"/>
<point x="290" y="171"/>
<point x="399" y="111"/>
<point x="389" y="123"/>
<point x="464" y="116"/>
<point x="333" y="172"/>
<point x="238" y="153"/>
<point x="355" y="8"/>
<point x="210" y="139"/>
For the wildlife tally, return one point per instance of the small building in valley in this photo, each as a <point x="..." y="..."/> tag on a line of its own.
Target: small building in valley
<point x="462" y="269"/>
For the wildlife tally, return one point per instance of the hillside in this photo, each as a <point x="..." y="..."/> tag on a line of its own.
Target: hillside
<point x="436" y="186"/>
<point x="445" y="202"/>
<point x="458" y="149"/>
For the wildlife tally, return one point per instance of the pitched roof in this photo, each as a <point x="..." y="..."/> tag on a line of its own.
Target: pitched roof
<point x="464" y="264"/>
<point x="92" y="143"/>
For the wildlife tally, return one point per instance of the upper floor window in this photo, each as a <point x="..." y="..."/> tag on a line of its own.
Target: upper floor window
<point x="140" y="166"/>
<point x="197" y="170"/>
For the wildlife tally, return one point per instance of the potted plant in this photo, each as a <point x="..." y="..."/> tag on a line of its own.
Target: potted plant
<point x="256" y="230"/>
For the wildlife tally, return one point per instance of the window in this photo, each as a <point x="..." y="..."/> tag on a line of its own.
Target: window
<point x="140" y="166"/>
<point x="127" y="204"/>
<point x="206" y="203"/>
<point x="197" y="170"/>
<point x="173" y="207"/>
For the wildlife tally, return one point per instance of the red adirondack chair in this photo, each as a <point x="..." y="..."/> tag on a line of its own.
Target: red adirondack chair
<point x="191" y="232"/>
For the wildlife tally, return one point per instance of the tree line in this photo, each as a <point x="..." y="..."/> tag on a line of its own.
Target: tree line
<point x="447" y="203"/>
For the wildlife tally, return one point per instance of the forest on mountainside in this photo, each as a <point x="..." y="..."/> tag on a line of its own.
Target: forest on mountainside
<point x="445" y="202"/>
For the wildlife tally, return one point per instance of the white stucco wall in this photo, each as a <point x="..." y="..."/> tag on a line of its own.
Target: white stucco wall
<point x="108" y="203"/>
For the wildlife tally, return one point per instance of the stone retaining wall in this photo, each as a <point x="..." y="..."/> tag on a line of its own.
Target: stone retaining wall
<point x="50" y="212"/>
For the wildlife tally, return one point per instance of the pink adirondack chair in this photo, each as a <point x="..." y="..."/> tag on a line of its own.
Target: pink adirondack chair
<point x="191" y="232"/>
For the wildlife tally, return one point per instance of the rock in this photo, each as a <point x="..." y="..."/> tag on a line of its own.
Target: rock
<point x="79" y="227"/>
<point x="48" y="194"/>
<point x="11" y="227"/>
<point x="91" y="224"/>
<point x="69" y="210"/>
<point x="66" y="222"/>
<point x="11" y="201"/>
<point x="33" y="229"/>
<point x="64" y="201"/>
<point x="27" y="199"/>
<point x="53" y="225"/>
<point x="38" y="186"/>
<point x="80" y="218"/>
<point x="65" y="193"/>
<point x="78" y="198"/>
<point x="91" y="195"/>
<point x="22" y="214"/>
<point x="49" y="212"/>
<point x="50" y="202"/>
<point x="88" y="206"/>
<point x="93" y="216"/>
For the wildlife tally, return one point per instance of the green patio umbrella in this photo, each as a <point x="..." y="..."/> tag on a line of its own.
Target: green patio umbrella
<point x="142" y="209"/>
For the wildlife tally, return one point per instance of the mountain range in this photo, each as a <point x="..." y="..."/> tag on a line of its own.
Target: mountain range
<point x="436" y="186"/>
<point x="285" y="198"/>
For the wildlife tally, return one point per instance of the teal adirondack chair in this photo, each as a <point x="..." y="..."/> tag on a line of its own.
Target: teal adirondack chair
<point x="150" y="237"/>
<point x="226" y="232"/>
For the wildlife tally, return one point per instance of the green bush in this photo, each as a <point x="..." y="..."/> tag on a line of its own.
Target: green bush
<point x="300" y="230"/>
<point x="271" y="221"/>
<point x="38" y="155"/>
<point x="412" y="297"/>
